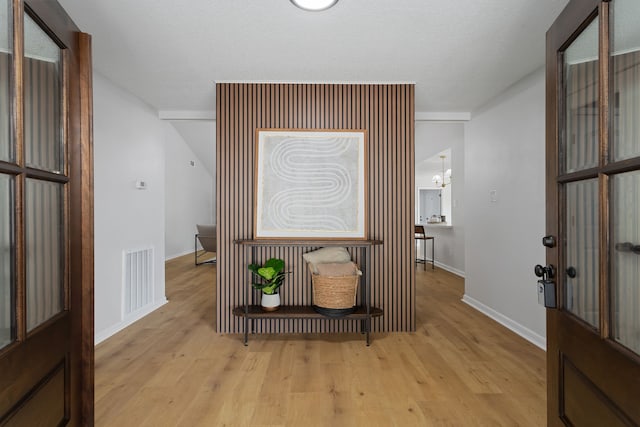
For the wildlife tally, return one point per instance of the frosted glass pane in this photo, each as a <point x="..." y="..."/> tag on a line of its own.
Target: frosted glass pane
<point x="5" y="24"/>
<point x="582" y="253"/>
<point x="626" y="79"/>
<point x="580" y="139"/>
<point x="45" y="251"/>
<point x="626" y="31"/>
<point x="42" y="100"/>
<point x="6" y="49"/>
<point x="7" y="331"/>
<point x="625" y="259"/>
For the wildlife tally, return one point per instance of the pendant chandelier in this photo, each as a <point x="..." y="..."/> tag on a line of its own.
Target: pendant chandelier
<point x="444" y="179"/>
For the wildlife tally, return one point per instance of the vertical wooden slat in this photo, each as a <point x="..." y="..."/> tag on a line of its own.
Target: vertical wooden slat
<point x="220" y="120"/>
<point x="387" y="148"/>
<point x="409" y="118"/>
<point x="386" y="112"/>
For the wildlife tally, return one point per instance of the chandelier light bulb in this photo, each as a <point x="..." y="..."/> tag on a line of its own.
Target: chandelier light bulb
<point x="314" y="5"/>
<point x="439" y="180"/>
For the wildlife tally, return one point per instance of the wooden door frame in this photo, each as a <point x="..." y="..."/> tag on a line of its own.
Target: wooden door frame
<point x="81" y="234"/>
<point x="606" y="352"/>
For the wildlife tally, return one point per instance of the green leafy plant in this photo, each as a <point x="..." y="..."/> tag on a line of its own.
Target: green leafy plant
<point x="271" y="275"/>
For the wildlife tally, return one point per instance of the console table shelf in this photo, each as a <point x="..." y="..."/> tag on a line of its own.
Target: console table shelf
<point x="364" y="313"/>
<point x="300" y="312"/>
<point x="308" y="243"/>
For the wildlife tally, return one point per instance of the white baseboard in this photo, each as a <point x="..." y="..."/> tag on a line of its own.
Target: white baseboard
<point x="170" y="257"/>
<point x="449" y="269"/>
<point x="132" y="318"/>
<point x="444" y="267"/>
<point x="524" y="332"/>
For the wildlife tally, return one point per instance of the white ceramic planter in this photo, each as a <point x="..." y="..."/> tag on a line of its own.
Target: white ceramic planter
<point x="270" y="302"/>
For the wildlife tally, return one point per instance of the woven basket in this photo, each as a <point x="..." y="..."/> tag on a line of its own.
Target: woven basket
<point x="334" y="292"/>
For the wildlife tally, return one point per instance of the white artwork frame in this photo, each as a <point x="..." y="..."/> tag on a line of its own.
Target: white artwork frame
<point x="310" y="184"/>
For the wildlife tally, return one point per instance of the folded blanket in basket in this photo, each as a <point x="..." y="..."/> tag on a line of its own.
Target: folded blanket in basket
<point x="325" y="256"/>
<point x="335" y="269"/>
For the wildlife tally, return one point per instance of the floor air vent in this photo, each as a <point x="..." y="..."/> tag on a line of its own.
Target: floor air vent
<point x="138" y="280"/>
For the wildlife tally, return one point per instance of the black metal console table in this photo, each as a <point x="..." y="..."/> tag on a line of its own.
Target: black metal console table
<point x="364" y="313"/>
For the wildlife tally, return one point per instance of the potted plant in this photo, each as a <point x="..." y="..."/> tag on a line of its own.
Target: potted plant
<point x="271" y="276"/>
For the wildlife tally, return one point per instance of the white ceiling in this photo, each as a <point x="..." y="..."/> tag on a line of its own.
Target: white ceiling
<point x="460" y="53"/>
<point x="170" y="53"/>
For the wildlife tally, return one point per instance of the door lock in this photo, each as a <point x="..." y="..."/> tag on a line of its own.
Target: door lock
<point x="548" y="272"/>
<point x="546" y="286"/>
<point x="547" y="293"/>
<point x="549" y="241"/>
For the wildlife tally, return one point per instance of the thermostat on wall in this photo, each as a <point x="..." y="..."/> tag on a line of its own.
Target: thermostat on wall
<point x="141" y="185"/>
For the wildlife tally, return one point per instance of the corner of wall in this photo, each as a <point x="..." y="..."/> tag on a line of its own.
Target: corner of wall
<point x="526" y="333"/>
<point x="505" y="205"/>
<point x="188" y="185"/>
<point x="127" y="148"/>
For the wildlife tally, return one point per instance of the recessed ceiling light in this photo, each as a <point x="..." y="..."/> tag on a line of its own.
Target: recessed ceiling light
<point x="314" y="5"/>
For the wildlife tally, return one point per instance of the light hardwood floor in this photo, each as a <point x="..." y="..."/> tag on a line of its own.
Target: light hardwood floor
<point x="459" y="368"/>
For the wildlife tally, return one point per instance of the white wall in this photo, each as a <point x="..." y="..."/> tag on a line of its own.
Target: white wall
<point x="188" y="196"/>
<point x="505" y="151"/>
<point x="432" y="138"/>
<point x="128" y="146"/>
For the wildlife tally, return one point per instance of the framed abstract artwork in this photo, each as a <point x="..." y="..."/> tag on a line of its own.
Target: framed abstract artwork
<point x="310" y="184"/>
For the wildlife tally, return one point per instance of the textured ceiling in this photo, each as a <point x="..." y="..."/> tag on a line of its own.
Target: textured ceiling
<point x="460" y="53"/>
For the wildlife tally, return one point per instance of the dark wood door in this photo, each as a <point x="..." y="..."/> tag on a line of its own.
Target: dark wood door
<point x="593" y="210"/>
<point x="46" y="232"/>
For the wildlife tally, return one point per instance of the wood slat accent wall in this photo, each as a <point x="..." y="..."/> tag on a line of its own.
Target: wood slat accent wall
<point x="387" y="113"/>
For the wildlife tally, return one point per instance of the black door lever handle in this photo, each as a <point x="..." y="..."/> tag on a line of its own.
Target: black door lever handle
<point x="628" y="247"/>
<point x="538" y="270"/>
<point x="549" y="241"/>
<point x="547" y="272"/>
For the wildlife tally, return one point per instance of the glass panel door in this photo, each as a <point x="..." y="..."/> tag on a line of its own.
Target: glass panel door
<point x="594" y="183"/>
<point x="42" y="352"/>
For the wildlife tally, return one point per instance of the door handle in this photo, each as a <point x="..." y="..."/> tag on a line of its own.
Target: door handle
<point x="547" y="272"/>
<point x="549" y="241"/>
<point x="628" y="247"/>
